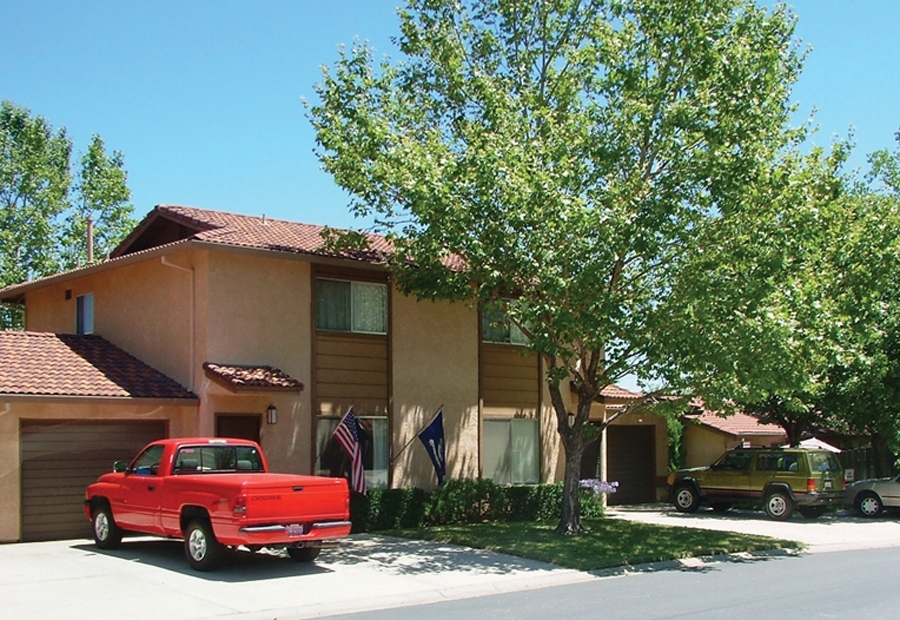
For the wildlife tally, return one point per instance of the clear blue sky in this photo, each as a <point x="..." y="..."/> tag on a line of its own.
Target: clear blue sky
<point x="203" y="97"/>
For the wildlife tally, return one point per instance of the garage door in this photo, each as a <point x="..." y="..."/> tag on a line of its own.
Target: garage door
<point x="630" y="459"/>
<point x="60" y="459"/>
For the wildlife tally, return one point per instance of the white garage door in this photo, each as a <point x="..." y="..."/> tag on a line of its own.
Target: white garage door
<point x="59" y="460"/>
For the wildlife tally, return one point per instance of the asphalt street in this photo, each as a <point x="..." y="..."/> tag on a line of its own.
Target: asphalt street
<point x="149" y="578"/>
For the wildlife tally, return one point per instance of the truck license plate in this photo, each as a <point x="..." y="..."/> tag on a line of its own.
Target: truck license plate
<point x="295" y="530"/>
<point x="828" y="484"/>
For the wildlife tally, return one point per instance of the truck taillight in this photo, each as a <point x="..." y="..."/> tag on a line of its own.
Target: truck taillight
<point x="811" y="485"/>
<point x="240" y="506"/>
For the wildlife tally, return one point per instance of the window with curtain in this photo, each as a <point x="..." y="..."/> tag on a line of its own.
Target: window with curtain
<point x="496" y="327"/>
<point x="511" y="451"/>
<point x="349" y="306"/>
<point x="331" y="460"/>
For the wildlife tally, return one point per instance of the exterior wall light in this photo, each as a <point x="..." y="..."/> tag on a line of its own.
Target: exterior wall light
<point x="571" y="417"/>
<point x="271" y="414"/>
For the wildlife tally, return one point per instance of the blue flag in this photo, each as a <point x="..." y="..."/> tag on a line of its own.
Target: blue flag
<point x="433" y="438"/>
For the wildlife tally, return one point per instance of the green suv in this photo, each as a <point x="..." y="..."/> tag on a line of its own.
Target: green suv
<point x="782" y="479"/>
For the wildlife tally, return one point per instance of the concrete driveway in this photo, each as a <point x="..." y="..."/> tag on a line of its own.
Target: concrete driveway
<point x="149" y="578"/>
<point x="831" y="532"/>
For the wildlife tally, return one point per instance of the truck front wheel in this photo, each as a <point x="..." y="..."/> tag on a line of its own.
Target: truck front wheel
<point x="107" y="534"/>
<point x="303" y="554"/>
<point x="201" y="548"/>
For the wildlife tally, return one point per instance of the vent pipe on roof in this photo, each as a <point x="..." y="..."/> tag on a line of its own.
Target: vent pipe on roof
<point x="90" y="240"/>
<point x="265" y="223"/>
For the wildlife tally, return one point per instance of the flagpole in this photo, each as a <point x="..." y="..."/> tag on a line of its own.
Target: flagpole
<point x="416" y="434"/>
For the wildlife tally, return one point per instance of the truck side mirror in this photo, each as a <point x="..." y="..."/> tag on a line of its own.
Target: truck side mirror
<point x="120" y="466"/>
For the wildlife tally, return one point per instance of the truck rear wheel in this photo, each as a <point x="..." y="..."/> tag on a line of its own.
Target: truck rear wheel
<point x="303" y="554"/>
<point x="779" y="505"/>
<point x="201" y="548"/>
<point x="107" y="534"/>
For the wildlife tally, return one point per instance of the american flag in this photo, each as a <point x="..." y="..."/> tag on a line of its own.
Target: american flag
<point x="347" y="434"/>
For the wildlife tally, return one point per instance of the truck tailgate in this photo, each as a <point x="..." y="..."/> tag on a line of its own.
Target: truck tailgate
<point x="283" y="498"/>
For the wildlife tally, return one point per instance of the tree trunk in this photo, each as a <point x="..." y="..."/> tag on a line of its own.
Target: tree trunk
<point x="573" y="447"/>
<point x="570" y="520"/>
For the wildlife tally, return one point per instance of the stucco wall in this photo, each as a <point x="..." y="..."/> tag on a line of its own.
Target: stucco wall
<point x="256" y="310"/>
<point x="143" y="308"/>
<point x="180" y="419"/>
<point x="434" y="353"/>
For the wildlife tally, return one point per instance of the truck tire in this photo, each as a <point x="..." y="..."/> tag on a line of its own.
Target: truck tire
<point x="686" y="498"/>
<point x="201" y="548"/>
<point x="107" y="534"/>
<point x="303" y="554"/>
<point x="779" y="505"/>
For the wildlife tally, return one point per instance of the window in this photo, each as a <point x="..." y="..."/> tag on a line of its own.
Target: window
<point x="511" y="454"/>
<point x="217" y="459"/>
<point x="496" y="327"/>
<point x="734" y="461"/>
<point x="347" y="306"/>
<point x="333" y="461"/>
<point x="147" y="463"/>
<point x="84" y="314"/>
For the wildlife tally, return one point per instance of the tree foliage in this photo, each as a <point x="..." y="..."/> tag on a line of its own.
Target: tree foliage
<point x="43" y="213"/>
<point x="599" y="169"/>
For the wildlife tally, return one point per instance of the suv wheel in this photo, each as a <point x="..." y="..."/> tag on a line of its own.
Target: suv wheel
<point x="686" y="499"/>
<point x="779" y="505"/>
<point x="869" y="504"/>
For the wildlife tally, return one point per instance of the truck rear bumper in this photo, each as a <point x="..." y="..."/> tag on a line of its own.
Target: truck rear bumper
<point x="285" y="529"/>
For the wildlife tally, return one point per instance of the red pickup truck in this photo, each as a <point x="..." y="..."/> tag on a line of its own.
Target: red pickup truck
<point x="217" y="493"/>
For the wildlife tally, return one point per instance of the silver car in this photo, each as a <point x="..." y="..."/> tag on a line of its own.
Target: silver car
<point x="870" y="497"/>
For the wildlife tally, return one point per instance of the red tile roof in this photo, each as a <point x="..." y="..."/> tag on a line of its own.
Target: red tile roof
<point x="614" y="391"/>
<point x="33" y="363"/>
<point x="251" y="231"/>
<point x="738" y="424"/>
<point x="252" y="377"/>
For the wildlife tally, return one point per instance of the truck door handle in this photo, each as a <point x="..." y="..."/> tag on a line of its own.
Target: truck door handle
<point x="298" y="489"/>
<point x="151" y="487"/>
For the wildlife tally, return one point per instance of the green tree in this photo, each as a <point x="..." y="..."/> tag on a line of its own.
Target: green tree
<point x="42" y="214"/>
<point x="566" y="161"/>
<point x="863" y="391"/>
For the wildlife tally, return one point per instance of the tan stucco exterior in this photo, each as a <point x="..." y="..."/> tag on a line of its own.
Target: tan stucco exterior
<point x="434" y="362"/>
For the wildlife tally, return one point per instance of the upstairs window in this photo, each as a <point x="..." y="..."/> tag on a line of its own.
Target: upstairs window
<point x="349" y="306"/>
<point x="496" y="327"/>
<point x="84" y="314"/>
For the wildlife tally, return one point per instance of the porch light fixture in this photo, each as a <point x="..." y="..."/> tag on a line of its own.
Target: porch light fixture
<point x="271" y="414"/>
<point x="571" y="417"/>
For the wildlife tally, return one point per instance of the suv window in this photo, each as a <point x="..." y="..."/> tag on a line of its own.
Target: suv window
<point x="734" y="461"/>
<point x="824" y="461"/>
<point x="777" y="461"/>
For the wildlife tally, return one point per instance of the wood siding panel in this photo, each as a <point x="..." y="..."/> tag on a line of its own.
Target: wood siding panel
<point x="351" y="370"/>
<point x="509" y="378"/>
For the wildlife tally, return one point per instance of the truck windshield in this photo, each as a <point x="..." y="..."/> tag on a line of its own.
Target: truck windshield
<point x="217" y="459"/>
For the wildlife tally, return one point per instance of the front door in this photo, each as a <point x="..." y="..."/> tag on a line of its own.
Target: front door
<point x="239" y="426"/>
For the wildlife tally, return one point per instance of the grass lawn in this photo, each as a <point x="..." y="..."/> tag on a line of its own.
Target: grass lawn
<point x="611" y="542"/>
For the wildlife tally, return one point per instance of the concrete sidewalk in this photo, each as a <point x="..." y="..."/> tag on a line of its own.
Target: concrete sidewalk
<point x="150" y="579"/>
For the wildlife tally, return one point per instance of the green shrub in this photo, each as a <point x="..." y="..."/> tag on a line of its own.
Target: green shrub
<point x="466" y="500"/>
<point x="463" y="501"/>
<point x="386" y="509"/>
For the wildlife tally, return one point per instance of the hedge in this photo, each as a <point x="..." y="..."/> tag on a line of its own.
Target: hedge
<point x="462" y="501"/>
